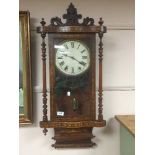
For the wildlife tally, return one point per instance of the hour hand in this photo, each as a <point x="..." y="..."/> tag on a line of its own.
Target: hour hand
<point x="68" y="56"/>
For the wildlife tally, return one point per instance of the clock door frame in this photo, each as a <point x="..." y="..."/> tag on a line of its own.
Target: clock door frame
<point x="87" y="39"/>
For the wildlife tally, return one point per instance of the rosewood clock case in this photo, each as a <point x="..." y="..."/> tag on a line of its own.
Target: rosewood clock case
<point x="72" y="116"/>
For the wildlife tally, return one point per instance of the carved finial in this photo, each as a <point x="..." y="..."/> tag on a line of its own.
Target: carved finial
<point x="71" y="6"/>
<point x="72" y="17"/>
<point x="104" y="29"/>
<point x="101" y="22"/>
<point x="42" y="22"/>
<point x="45" y="131"/>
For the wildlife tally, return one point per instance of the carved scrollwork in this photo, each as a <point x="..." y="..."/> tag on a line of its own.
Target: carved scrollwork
<point x="56" y="21"/>
<point x="72" y="18"/>
<point x="88" y="21"/>
<point x="77" y="124"/>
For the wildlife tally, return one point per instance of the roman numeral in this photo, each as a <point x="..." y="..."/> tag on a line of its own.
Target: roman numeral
<point x="72" y="70"/>
<point x="83" y="51"/>
<point x="78" y="46"/>
<point x="59" y="57"/>
<point x="84" y="57"/>
<point x="72" y="44"/>
<point x="66" y="68"/>
<point x="79" y="68"/>
<point x="66" y="46"/>
<point x="82" y="63"/>
<point x="62" y="63"/>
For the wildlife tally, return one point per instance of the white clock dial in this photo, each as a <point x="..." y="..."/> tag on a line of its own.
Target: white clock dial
<point x="72" y="57"/>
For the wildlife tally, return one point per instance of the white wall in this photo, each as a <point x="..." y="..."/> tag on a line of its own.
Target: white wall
<point x="118" y="72"/>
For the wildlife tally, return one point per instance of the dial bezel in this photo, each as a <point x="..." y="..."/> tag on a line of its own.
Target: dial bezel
<point x="88" y="50"/>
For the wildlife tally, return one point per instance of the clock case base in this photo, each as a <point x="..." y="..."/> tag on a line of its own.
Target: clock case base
<point x="73" y="138"/>
<point x="73" y="134"/>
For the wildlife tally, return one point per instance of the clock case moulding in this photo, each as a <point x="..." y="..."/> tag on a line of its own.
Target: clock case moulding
<point x="73" y="132"/>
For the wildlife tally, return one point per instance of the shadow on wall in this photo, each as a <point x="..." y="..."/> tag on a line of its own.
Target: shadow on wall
<point x="110" y="127"/>
<point x="110" y="130"/>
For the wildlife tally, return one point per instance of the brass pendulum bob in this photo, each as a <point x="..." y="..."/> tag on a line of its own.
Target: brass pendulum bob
<point x="75" y="104"/>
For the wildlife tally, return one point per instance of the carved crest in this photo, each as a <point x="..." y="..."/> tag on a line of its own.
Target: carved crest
<point x="72" y="18"/>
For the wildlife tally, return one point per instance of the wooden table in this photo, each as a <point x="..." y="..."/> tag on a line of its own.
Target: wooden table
<point x="127" y="134"/>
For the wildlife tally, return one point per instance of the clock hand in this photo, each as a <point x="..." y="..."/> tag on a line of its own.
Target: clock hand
<point x="80" y="62"/>
<point x="68" y="56"/>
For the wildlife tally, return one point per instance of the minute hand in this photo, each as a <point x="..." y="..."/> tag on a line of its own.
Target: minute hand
<point x="80" y="62"/>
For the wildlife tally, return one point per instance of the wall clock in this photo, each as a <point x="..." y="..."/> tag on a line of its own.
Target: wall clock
<point x="72" y="61"/>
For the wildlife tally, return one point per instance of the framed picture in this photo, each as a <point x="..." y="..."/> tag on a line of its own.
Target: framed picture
<point x="25" y="81"/>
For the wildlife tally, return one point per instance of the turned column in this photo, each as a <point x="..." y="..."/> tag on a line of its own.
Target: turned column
<point x="44" y="91"/>
<point x="100" y="90"/>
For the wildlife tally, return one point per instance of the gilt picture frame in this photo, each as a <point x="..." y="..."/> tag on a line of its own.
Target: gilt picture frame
<point x="25" y="78"/>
